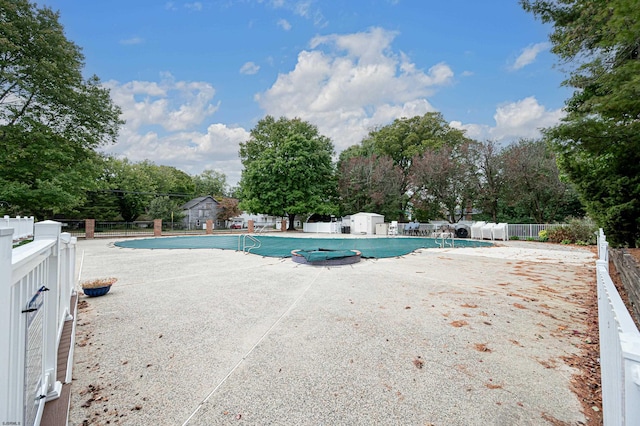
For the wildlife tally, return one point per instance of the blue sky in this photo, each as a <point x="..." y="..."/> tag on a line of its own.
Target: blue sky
<point x="193" y="78"/>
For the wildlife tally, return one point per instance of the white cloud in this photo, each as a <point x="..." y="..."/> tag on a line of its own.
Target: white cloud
<point x="249" y="68"/>
<point x="304" y="8"/>
<point x="529" y="55"/>
<point x="515" y="120"/>
<point x="195" y="6"/>
<point x="284" y="24"/>
<point x="164" y="124"/>
<point x="216" y="148"/>
<point x="150" y="103"/>
<point x="132" y="40"/>
<point x="347" y="84"/>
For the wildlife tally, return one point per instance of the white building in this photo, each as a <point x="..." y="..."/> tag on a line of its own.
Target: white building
<point x="365" y="223"/>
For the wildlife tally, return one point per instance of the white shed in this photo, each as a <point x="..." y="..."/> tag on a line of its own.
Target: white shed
<point x="365" y="223"/>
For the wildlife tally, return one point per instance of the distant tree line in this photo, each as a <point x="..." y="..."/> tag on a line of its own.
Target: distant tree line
<point x="131" y="191"/>
<point x="414" y="168"/>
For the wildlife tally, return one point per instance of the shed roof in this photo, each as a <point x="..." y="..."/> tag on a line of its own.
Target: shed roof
<point x="367" y="214"/>
<point x="194" y="202"/>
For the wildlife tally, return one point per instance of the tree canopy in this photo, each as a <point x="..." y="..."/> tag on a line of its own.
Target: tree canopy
<point x="51" y="118"/>
<point x="402" y="141"/>
<point x="443" y="182"/>
<point x="210" y="182"/>
<point x="288" y="169"/>
<point x="370" y="184"/>
<point x="598" y="142"/>
<point x="532" y="187"/>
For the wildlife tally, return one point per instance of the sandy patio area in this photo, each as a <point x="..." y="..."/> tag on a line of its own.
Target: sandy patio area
<point x="464" y="336"/>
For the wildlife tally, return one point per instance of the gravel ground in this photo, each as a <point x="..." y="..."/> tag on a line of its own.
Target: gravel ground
<point x="468" y="336"/>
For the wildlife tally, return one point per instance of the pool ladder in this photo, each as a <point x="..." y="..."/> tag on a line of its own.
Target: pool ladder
<point x="444" y="239"/>
<point x="242" y="243"/>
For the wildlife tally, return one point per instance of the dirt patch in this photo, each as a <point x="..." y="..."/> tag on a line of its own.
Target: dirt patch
<point x="469" y="305"/>
<point x="493" y="386"/>
<point x="481" y="347"/>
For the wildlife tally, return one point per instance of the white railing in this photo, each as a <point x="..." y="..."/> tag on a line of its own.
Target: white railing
<point x="22" y="226"/>
<point x="322" y="227"/>
<point x="619" y="349"/>
<point x="529" y="230"/>
<point x="36" y="285"/>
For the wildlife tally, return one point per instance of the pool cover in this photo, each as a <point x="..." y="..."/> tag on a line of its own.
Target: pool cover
<point x="376" y="247"/>
<point x="325" y="254"/>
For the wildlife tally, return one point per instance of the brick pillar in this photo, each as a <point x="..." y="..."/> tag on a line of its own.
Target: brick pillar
<point x="209" y="227"/>
<point x="469" y="212"/>
<point x="89" y="228"/>
<point x="250" y="229"/>
<point x="157" y="227"/>
<point x="283" y="225"/>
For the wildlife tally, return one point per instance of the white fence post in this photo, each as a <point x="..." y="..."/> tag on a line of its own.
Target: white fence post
<point x="8" y="413"/>
<point x="67" y="274"/>
<point x="50" y="230"/>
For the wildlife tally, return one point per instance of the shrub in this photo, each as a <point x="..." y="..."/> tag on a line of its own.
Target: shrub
<point x="559" y="234"/>
<point x="514" y="237"/>
<point x="543" y="236"/>
<point x="576" y="230"/>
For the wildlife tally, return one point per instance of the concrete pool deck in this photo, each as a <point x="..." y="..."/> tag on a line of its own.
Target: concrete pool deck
<point x="465" y="336"/>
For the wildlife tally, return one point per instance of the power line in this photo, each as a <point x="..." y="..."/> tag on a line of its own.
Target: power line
<point x="122" y="191"/>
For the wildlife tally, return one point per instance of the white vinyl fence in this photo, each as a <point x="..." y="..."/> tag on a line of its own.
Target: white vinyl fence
<point x="36" y="285"/>
<point x="529" y="230"/>
<point x="619" y="349"/>
<point x="22" y="226"/>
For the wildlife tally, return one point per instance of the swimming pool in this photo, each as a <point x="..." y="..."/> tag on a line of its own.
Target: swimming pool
<point x="270" y="246"/>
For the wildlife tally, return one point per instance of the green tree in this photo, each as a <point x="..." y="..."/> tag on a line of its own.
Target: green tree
<point x="166" y="208"/>
<point x="598" y="142"/>
<point x="169" y="181"/>
<point x="52" y="119"/>
<point x="288" y="170"/>
<point x="370" y="184"/>
<point x="535" y="189"/>
<point x="210" y="182"/>
<point x="132" y="185"/>
<point x="444" y="181"/>
<point x="490" y="178"/>
<point x="402" y="141"/>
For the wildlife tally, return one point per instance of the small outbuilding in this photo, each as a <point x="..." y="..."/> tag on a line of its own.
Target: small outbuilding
<point x="365" y="223"/>
<point x="199" y="210"/>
